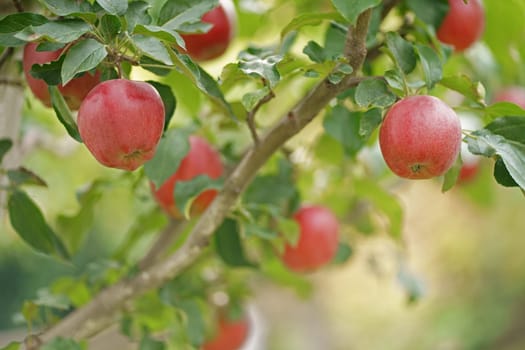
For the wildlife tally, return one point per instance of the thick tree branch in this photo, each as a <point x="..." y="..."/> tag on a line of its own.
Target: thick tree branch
<point x="102" y="310"/>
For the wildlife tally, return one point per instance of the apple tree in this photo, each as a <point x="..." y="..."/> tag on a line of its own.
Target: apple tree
<point x="223" y="123"/>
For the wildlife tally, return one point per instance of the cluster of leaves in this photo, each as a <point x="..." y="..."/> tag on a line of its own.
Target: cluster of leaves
<point x="113" y="36"/>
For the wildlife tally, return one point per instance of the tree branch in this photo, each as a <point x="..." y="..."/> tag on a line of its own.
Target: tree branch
<point x="96" y="315"/>
<point x="163" y="242"/>
<point x="250" y="119"/>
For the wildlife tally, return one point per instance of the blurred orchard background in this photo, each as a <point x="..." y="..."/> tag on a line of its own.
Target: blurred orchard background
<point x="457" y="283"/>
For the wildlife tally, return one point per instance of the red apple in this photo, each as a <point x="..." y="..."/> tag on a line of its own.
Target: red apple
<point x="230" y="335"/>
<point x="201" y="159"/>
<point x="212" y="44"/>
<point x="420" y="137"/>
<point x="318" y="239"/>
<point x="121" y="122"/>
<point x="74" y="92"/>
<point x="463" y="25"/>
<point x="514" y="94"/>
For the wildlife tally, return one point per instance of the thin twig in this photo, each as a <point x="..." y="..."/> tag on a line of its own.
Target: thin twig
<point x="250" y="119"/>
<point x="102" y="309"/>
<point x="11" y="82"/>
<point x="18" y="5"/>
<point x="5" y="55"/>
<point x="163" y="243"/>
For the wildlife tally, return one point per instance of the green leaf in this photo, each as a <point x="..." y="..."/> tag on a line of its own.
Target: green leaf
<point x="277" y="272"/>
<point x="204" y="82"/>
<point x="308" y="19"/>
<point x="431" y="63"/>
<point x="172" y="148"/>
<point x="260" y="63"/>
<point x="315" y="52"/>
<point x="75" y="227"/>
<point x="114" y="7"/>
<point x="61" y="31"/>
<point x="14" y="23"/>
<point x="344" y="252"/>
<point x="502" y="175"/>
<point x="75" y="290"/>
<point x="12" y="346"/>
<point x="451" y="176"/>
<point x="486" y="143"/>
<point x="168" y="98"/>
<point x="55" y="301"/>
<point x="473" y="90"/>
<point x="164" y="34"/>
<point x="23" y="176"/>
<point x="227" y="240"/>
<point x="49" y="72"/>
<point x="429" y="11"/>
<point x="62" y="344"/>
<point x="335" y="38"/>
<point x="501" y="109"/>
<point x="385" y="202"/>
<point x="137" y="14"/>
<point x="251" y="99"/>
<point x="512" y="128"/>
<point x="344" y="125"/>
<point x="5" y="146"/>
<point x="81" y="57"/>
<point x="281" y="183"/>
<point x="110" y="27"/>
<point x="68" y="7"/>
<point x="148" y="343"/>
<point x="369" y="122"/>
<point x="185" y="192"/>
<point x="28" y="221"/>
<point x="153" y="48"/>
<point x="195" y="325"/>
<point x="175" y="14"/>
<point x="63" y="113"/>
<point x="402" y="52"/>
<point x="351" y="9"/>
<point x="374" y="92"/>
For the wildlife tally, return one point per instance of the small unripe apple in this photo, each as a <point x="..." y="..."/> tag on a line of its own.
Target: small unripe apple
<point x="420" y="137"/>
<point x="514" y="94"/>
<point x="74" y="92"/>
<point x="121" y="122"/>
<point x="318" y="239"/>
<point x="201" y="159"/>
<point x="212" y="44"/>
<point x="230" y="335"/>
<point x="463" y="24"/>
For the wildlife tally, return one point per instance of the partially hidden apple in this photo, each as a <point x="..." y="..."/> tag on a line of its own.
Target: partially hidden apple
<point x="201" y="159"/>
<point x="74" y="92"/>
<point x="121" y="122"/>
<point x="420" y="137"/>
<point x="463" y="24"/>
<point x="514" y="94"/>
<point x="318" y="239"/>
<point x="230" y="335"/>
<point x="212" y="44"/>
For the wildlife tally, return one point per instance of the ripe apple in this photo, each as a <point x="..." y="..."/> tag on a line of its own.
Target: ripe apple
<point x="121" y="122"/>
<point x="514" y="94"/>
<point x="318" y="239"/>
<point x="420" y="137"/>
<point x="230" y="335"/>
<point x="463" y="25"/>
<point x="74" y="92"/>
<point x="212" y="44"/>
<point x="201" y="159"/>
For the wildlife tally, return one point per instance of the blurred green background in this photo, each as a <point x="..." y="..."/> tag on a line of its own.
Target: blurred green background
<point x="463" y="249"/>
